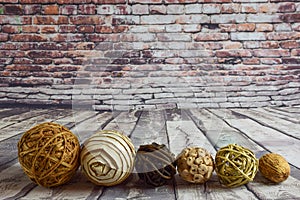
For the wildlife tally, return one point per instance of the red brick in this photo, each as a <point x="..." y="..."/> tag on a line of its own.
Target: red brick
<point x="96" y="38"/>
<point x="10" y="29"/>
<point x="86" y="20"/>
<point x="290" y="17"/>
<point x="37" y="1"/>
<point x="49" y="29"/>
<point x="22" y="61"/>
<point x="44" y="54"/>
<point x="23" y="68"/>
<point x="287" y="7"/>
<point x="87" y="9"/>
<point x="291" y="61"/>
<point x="13" y="10"/>
<point x="30" y="29"/>
<point x="251" y="61"/>
<point x="3" y="37"/>
<point x="67" y="29"/>
<point x="9" y="1"/>
<point x="50" y="20"/>
<point x="113" y="1"/>
<point x="44" y="61"/>
<point x="28" y="38"/>
<point x="86" y="29"/>
<point x="104" y="29"/>
<point x="179" y="1"/>
<point x="12" y="53"/>
<point x="51" y="10"/>
<point x="8" y="46"/>
<point x="73" y="1"/>
<point x="68" y="37"/>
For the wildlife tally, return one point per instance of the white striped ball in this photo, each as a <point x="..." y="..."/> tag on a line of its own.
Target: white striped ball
<point x="107" y="158"/>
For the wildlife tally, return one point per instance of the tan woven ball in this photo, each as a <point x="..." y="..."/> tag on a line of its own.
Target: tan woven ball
<point x="235" y="165"/>
<point x="195" y="165"/>
<point x="49" y="154"/>
<point x="107" y="158"/>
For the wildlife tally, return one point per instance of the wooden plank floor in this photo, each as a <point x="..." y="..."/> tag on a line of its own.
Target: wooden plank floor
<point x="260" y="129"/>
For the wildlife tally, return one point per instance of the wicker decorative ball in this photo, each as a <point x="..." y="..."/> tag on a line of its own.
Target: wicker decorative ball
<point x="274" y="167"/>
<point x="107" y="158"/>
<point x="195" y="165"/>
<point x="155" y="164"/>
<point x="49" y="154"/>
<point x="235" y="165"/>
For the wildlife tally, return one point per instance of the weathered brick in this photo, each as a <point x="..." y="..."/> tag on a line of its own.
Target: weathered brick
<point x="263" y="18"/>
<point x="291" y="61"/>
<point x="246" y="27"/>
<point x="193" y="8"/>
<point x="122" y="9"/>
<point x="210" y="36"/>
<point x="271" y="53"/>
<point x="32" y="9"/>
<point x="191" y="28"/>
<point x="105" y="9"/>
<point x="175" y="9"/>
<point x="248" y="36"/>
<point x="264" y="27"/>
<point x="68" y="9"/>
<point x="81" y="19"/>
<point x="283" y="36"/>
<point x="173" y="28"/>
<point x="158" y="19"/>
<point x="44" y="54"/>
<point x="269" y="45"/>
<point x="230" y="8"/>
<point x="290" y="44"/>
<point x="233" y="53"/>
<point x="211" y="8"/>
<point x="192" y="19"/>
<point x="228" y="18"/>
<point x="140" y="9"/>
<point x="51" y="10"/>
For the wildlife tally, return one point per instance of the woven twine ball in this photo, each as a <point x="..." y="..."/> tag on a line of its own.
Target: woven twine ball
<point x="49" y="154"/>
<point x="107" y="158"/>
<point x="155" y="164"/>
<point x="235" y="165"/>
<point x="274" y="167"/>
<point x="195" y="165"/>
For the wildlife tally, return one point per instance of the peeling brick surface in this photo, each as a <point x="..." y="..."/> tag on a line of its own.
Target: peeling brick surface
<point x="150" y="54"/>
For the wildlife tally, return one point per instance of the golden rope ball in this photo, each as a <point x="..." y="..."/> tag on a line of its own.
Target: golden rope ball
<point x="49" y="154"/>
<point x="235" y="165"/>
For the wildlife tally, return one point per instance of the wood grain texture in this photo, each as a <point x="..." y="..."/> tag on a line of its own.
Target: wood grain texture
<point x="259" y="129"/>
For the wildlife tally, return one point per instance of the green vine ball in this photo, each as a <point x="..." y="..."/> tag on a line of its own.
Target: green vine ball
<point x="235" y="165"/>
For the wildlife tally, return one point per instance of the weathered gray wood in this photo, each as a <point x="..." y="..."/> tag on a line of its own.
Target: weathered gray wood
<point x="266" y="119"/>
<point x="28" y="123"/>
<point x="292" y="117"/>
<point x="294" y="109"/>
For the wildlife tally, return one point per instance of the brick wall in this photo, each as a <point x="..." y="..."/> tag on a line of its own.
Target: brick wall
<point x="128" y="54"/>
